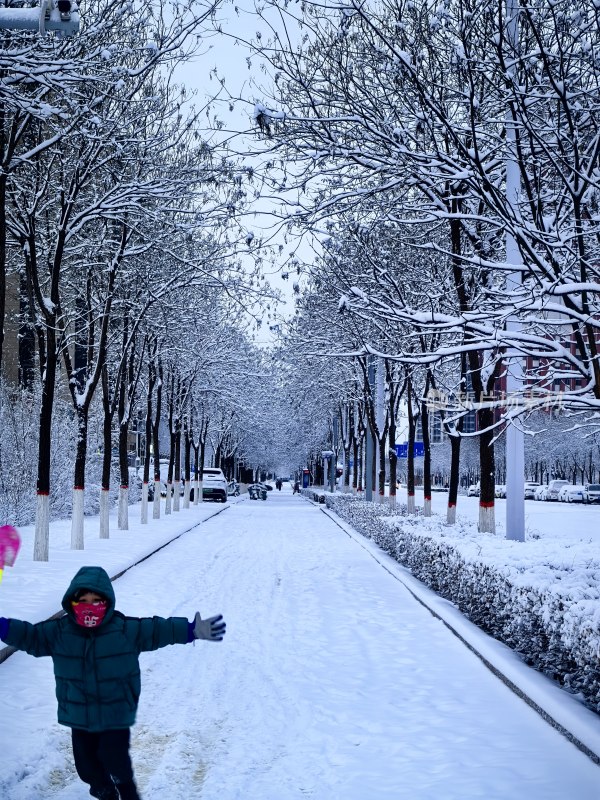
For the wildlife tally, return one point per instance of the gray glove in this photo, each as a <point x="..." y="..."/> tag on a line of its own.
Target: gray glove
<point x="212" y="628"/>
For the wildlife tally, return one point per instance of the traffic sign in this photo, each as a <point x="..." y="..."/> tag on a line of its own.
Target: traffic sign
<point x="402" y="450"/>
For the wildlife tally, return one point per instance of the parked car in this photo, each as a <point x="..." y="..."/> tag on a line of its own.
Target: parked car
<point x="530" y="487"/>
<point x="554" y="488"/>
<point x="591" y="493"/>
<point x="500" y="490"/>
<point x="473" y="490"/>
<point x="164" y="469"/>
<point x="214" y="484"/>
<point x="541" y="492"/>
<point x="571" y="493"/>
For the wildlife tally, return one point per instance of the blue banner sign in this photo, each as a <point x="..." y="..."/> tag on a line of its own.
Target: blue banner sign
<point x="402" y="450"/>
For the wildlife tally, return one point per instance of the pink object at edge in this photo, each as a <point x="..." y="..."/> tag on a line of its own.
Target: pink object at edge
<point x="10" y="542"/>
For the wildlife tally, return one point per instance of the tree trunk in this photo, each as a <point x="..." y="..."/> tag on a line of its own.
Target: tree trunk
<point x="355" y="463"/>
<point x="106" y="458"/>
<point x="455" y="442"/>
<point x="42" y="517"/>
<point x="156" y="445"/>
<point x="487" y="518"/>
<point x="201" y="466"/>
<point x="124" y="406"/>
<point x="410" y="456"/>
<point x="382" y="450"/>
<point x="147" y="441"/>
<point x="177" y="470"/>
<point x="123" y="516"/>
<point x="393" y="464"/>
<point x="393" y="397"/>
<point x="360" y="467"/>
<point x="426" y="457"/>
<point x="104" y="513"/>
<point x="187" y="472"/>
<point x="77" y="542"/>
<point x="168" y="504"/>
<point x="196" y="473"/>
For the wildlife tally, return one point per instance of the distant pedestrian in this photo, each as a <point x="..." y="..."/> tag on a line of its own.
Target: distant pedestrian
<point x="296" y="488"/>
<point x="95" y="652"/>
<point x="278" y="483"/>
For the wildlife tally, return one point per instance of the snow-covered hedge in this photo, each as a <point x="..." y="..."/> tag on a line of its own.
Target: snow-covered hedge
<point x="540" y="597"/>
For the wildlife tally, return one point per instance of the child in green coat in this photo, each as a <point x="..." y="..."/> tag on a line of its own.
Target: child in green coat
<point x="95" y="650"/>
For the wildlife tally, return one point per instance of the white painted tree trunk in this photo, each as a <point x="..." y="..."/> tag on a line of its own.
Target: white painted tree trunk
<point x="196" y="491"/>
<point x="200" y="491"/>
<point x="77" y="520"/>
<point x="144" y="508"/>
<point x="186" y="494"/>
<point x="176" y="496"/>
<point x="487" y="519"/>
<point x="123" y="516"/>
<point x="411" y="504"/>
<point x="427" y="507"/>
<point x="392" y="500"/>
<point x="42" y="528"/>
<point x="168" y="502"/>
<point x="104" y="511"/>
<point x="451" y="515"/>
<point x="156" y="502"/>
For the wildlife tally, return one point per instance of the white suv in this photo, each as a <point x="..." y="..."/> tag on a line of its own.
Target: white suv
<point x="214" y="484"/>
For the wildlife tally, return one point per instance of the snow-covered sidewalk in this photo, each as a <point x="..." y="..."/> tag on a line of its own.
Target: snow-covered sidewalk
<point x="333" y="681"/>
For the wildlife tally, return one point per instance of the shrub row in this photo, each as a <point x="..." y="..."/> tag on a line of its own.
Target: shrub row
<point x="545" y="607"/>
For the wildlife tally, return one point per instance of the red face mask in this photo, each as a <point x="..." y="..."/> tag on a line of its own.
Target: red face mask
<point x="89" y="615"/>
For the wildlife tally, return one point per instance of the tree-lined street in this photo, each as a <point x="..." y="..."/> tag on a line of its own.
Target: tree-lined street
<point x="422" y="179"/>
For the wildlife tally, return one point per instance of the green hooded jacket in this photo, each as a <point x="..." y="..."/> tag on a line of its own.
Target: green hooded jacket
<point x="96" y="669"/>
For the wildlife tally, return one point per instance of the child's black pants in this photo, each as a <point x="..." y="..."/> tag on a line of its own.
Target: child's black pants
<point x="102" y="760"/>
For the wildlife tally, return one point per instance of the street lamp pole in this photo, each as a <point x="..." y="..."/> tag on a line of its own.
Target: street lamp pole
<point x="515" y="443"/>
<point x="369" y="448"/>
<point x="328" y="458"/>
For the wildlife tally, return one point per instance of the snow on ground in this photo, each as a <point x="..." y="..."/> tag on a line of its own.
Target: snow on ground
<point x="333" y="682"/>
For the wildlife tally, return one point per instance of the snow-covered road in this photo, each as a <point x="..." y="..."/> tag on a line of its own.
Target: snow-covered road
<point x="333" y="683"/>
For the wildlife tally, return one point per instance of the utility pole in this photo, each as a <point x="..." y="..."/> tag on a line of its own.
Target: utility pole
<point x="515" y="444"/>
<point x="380" y="417"/>
<point x="369" y="448"/>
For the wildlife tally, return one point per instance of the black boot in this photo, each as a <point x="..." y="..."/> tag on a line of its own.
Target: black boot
<point x="128" y="791"/>
<point x="105" y="793"/>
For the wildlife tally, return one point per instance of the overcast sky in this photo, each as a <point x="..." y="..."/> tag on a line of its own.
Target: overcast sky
<point x="230" y="60"/>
